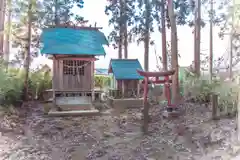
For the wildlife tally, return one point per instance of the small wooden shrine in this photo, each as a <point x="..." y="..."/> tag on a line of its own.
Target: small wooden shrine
<point x="125" y="78"/>
<point x="73" y="50"/>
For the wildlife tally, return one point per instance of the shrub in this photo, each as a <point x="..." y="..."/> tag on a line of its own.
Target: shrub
<point x="39" y="82"/>
<point x="200" y="89"/>
<point x="11" y="84"/>
<point x="102" y="81"/>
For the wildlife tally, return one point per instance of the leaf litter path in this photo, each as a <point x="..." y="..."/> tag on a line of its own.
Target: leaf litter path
<point x="32" y="136"/>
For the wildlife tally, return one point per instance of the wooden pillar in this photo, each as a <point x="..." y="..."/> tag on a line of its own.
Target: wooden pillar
<point x="123" y="88"/>
<point x="214" y="107"/>
<point x="54" y="82"/>
<point x="146" y="107"/>
<point x="93" y="81"/>
<point x="238" y="118"/>
<point x="138" y="89"/>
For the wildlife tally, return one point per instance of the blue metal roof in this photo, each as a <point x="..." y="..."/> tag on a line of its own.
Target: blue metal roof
<point x="72" y="41"/>
<point x="125" y="69"/>
<point x="101" y="71"/>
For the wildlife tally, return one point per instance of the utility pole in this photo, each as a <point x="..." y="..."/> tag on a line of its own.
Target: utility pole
<point x="164" y="45"/>
<point x="197" y="38"/>
<point x="211" y="42"/>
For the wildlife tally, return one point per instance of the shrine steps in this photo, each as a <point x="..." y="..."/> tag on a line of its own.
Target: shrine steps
<point x="93" y="112"/>
<point x="125" y="102"/>
<point x="76" y="107"/>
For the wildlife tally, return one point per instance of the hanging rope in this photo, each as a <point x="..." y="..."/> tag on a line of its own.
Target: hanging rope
<point x="78" y="67"/>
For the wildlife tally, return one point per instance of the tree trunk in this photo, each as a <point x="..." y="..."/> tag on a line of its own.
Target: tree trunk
<point x="125" y="30"/>
<point x="147" y="35"/>
<point x="164" y="44"/>
<point x="120" y="41"/>
<point x="231" y="44"/>
<point x="174" y="51"/>
<point x="66" y="18"/>
<point x="197" y="38"/>
<point x="146" y="53"/>
<point x="7" y="36"/>
<point x="2" y="21"/>
<point x="56" y="20"/>
<point x="231" y="57"/>
<point x="211" y="43"/>
<point x="28" y="50"/>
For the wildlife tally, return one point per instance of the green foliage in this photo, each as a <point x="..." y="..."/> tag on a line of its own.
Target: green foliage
<point x="200" y="90"/>
<point x="102" y="81"/>
<point x="11" y="85"/>
<point x="10" y="88"/>
<point x="136" y="14"/>
<point x="39" y="82"/>
<point x="44" y="12"/>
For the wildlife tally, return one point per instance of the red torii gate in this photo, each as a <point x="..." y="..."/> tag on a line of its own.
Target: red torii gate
<point x="166" y="83"/>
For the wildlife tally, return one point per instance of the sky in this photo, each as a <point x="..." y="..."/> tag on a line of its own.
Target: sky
<point x="94" y="12"/>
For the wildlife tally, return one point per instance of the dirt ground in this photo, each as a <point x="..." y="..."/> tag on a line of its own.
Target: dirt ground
<point x="29" y="135"/>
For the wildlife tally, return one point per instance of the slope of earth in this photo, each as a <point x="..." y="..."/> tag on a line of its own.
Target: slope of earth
<point x="29" y="135"/>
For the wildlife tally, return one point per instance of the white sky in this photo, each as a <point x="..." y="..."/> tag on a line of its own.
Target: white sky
<point x="94" y="12"/>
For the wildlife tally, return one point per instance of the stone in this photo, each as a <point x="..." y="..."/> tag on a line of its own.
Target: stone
<point x="171" y="113"/>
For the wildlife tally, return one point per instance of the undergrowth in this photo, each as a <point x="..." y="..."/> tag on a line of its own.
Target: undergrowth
<point x="200" y="89"/>
<point x="11" y="85"/>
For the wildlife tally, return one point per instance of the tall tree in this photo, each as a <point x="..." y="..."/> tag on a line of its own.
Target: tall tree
<point x="197" y="38"/>
<point x="147" y="34"/>
<point x="2" y="21"/>
<point x="211" y="42"/>
<point x="29" y="17"/>
<point x="121" y="14"/>
<point x="28" y="47"/>
<point x="8" y="31"/>
<point x="125" y="29"/>
<point x="57" y="11"/>
<point x="43" y="15"/>
<point x="164" y="41"/>
<point x="174" y="50"/>
<point x="121" y="25"/>
<point x="20" y="28"/>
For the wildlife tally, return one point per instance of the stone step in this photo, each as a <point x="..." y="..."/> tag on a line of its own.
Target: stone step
<point x="92" y="112"/>
<point x="76" y="107"/>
